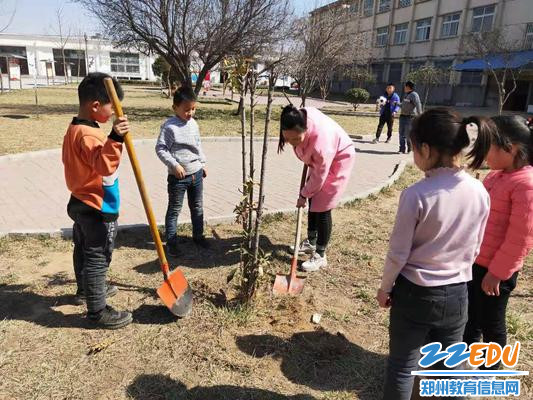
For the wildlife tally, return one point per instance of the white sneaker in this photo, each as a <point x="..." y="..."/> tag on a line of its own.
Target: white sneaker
<point x="315" y="263"/>
<point x="305" y="248"/>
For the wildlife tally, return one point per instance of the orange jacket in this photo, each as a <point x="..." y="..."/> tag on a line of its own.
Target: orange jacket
<point x="91" y="165"/>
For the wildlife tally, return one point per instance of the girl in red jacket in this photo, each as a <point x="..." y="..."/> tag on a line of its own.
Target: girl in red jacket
<point x="509" y="233"/>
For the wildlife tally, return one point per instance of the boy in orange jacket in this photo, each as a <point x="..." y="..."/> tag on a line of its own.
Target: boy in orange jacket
<point x="91" y="172"/>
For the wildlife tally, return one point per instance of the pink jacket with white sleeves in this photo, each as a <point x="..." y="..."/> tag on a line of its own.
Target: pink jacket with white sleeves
<point x="509" y="232"/>
<point x="329" y="152"/>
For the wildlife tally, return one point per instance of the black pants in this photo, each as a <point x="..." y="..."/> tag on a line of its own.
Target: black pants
<point x="420" y="315"/>
<point x="385" y="119"/>
<point x="94" y="240"/>
<point x="486" y="314"/>
<point x="319" y="225"/>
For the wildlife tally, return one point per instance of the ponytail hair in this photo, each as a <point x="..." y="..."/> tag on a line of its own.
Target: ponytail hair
<point x="449" y="133"/>
<point x="291" y="118"/>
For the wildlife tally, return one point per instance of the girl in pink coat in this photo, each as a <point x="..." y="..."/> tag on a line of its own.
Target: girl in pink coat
<point x="329" y="153"/>
<point x="509" y="232"/>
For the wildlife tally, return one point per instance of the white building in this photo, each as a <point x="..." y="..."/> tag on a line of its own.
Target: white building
<point x="43" y="52"/>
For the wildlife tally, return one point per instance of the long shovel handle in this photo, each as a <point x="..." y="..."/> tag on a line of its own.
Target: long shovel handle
<point x="298" y="228"/>
<point x="110" y="87"/>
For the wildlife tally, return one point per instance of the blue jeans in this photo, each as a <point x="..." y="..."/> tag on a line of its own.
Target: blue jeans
<point x="420" y="315"/>
<point x="405" y="128"/>
<point x="193" y="185"/>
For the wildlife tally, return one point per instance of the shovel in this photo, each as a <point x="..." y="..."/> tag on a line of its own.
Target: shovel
<point x="290" y="284"/>
<point x="175" y="292"/>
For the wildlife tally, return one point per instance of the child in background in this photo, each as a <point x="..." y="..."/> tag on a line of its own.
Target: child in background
<point x="387" y="113"/>
<point x="91" y="161"/>
<point x="509" y="233"/>
<point x="180" y="149"/>
<point x="437" y="235"/>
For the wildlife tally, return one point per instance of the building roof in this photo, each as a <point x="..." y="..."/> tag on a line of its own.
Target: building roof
<point x="516" y="60"/>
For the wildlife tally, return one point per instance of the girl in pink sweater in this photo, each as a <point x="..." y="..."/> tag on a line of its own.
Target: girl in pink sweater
<point x="329" y="153"/>
<point x="436" y="238"/>
<point x="509" y="233"/>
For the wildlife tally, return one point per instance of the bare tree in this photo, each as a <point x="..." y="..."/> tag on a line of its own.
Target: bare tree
<point x="497" y="51"/>
<point x="320" y="47"/>
<point x="182" y="31"/>
<point x="428" y="76"/>
<point x="250" y="210"/>
<point x="63" y="32"/>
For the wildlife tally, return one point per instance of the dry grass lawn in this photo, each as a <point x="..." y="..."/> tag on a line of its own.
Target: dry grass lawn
<point x="222" y="351"/>
<point x="26" y="127"/>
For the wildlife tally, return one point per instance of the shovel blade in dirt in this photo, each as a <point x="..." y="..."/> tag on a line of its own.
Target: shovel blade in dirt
<point x="291" y="284"/>
<point x="288" y="284"/>
<point x="176" y="294"/>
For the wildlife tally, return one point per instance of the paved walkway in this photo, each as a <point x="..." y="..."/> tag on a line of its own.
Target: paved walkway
<point x="33" y="194"/>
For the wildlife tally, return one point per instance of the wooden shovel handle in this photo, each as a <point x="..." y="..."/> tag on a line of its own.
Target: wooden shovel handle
<point x="110" y="87"/>
<point x="299" y="223"/>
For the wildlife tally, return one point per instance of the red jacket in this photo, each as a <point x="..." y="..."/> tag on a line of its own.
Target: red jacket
<point x="509" y="232"/>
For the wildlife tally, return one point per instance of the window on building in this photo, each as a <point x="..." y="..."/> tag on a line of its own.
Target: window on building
<point x="383" y="6"/>
<point x="400" y="33"/>
<point x="482" y="18"/>
<point x="395" y="73"/>
<point x="354" y="7"/>
<point x="73" y="58"/>
<point x="404" y="3"/>
<point x="382" y="37"/>
<point x="17" y="51"/>
<point x="450" y="25"/>
<point x="529" y="37"/>
<point x="368" y="8"/>
<point x="377" y="71"/>
<point x="124" y="62"/>
<point x="471" y="77"/>
<point x="423" y="28"/>
<point x="416" y="65"/>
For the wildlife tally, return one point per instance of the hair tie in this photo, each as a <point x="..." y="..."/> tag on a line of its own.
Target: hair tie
<point x="472" y="131"/>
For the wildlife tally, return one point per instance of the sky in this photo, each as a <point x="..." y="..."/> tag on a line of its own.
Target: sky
<point x="39" y="16"/>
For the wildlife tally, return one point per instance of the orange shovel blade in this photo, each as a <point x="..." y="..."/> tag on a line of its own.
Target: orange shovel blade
<point x="176" y="294"/>
<point x="285" y="285"/>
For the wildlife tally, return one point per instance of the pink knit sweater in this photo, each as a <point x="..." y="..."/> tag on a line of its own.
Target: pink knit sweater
<point x="509" y="232"/>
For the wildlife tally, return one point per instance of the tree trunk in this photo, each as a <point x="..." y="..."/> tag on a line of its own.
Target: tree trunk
<point x="240" y="107"/>
<point x="261" y="199"/>
<point x="64" y="65"/>
<point x="426" y="94"/>
<point x="252" y="79"/>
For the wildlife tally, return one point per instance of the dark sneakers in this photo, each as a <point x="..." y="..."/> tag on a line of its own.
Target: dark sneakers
<point x="109" y="318"/>
<point x="80" y="299"/>
<point x="172" y="250"/>
<point x="202" y="242"/>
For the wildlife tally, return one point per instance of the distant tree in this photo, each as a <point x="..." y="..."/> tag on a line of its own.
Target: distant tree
<point x="360" y="75"/>
<point x="357" y="96"/>
<point x="63" y="32"/>
<point x="186" y="32"/>
<point x="428" y="76"/>
<point x="497" y="50"/>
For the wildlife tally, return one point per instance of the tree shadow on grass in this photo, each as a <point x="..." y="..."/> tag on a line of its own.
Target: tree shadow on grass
<point x="222" y="252"/>
<point x="19" y="303"/>
<point x="321" y="361"/>
<point x="161" y="387"/>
